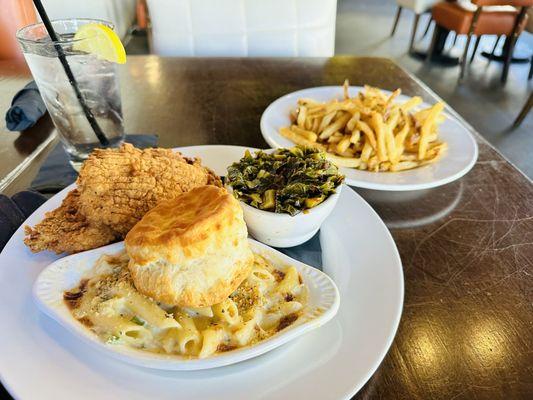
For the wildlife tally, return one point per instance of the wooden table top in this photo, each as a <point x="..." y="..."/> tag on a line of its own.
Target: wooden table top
<point x="18" y="150"/>
<point x="467" y="247"/>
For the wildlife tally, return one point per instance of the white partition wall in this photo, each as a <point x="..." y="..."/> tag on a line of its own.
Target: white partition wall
<point x="241" y="28"/>
<point x="120" y="12"/>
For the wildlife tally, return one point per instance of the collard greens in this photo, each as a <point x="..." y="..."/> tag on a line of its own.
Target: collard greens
<point x="285" y="181"/>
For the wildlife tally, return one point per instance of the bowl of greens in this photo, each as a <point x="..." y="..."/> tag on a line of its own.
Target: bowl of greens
<point x="285" y="194"/>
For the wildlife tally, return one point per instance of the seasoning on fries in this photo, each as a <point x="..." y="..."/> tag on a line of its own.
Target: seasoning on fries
<point x="371" y="131"/>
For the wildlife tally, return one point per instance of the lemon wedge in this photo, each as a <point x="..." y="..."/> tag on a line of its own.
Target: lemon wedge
<point x="101" y="41"/>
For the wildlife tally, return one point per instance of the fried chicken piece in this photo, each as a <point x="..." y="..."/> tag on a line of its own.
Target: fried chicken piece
<point x="117" y="187"/>
<point x="66" y="230"/>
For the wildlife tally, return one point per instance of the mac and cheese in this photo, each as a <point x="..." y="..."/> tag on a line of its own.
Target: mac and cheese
<point x="106" y="302"/>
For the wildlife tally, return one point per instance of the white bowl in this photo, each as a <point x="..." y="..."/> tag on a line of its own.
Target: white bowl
<point x="457" y="160"/>
<point x="63" y="274"/>
<point x="284" y="230"/>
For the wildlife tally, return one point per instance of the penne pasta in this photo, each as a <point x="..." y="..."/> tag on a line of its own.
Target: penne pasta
<point x="289" y="282"/>
<point x="268" y="300"/>
<point x="227" y="312"/>
<point x="148" y="311"/>
<point x="211" y="339"/>
<point x="244" y="333"/>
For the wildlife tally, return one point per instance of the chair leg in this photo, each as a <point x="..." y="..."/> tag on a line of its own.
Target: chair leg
<point x="452" y="37"/>
<point x="454" y="40"/>
<point x="427" y="27"/>
<point x="508" y="58"/>
<point x="471" y="31"/>
<point x="507" y="62"/>
<point x="523" y="113"/>
<point x="413" y="33"/>
<point x="465" y="56"/>
<point x="495" y="46"/>
<point x="476" y="44"/>
<point x="432" y="45"/>
<point x="396" y="19"/>
<point x="514" y="37"/>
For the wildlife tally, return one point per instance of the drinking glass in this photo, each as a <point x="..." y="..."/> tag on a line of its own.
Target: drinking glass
<point x="97" y="81"/>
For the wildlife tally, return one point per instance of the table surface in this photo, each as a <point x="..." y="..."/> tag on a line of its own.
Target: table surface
<point x="467" y="247"/>
<point x="17" y="151"/>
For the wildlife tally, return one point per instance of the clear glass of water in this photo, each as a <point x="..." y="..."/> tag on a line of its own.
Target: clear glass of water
<point x="97" y="80"/>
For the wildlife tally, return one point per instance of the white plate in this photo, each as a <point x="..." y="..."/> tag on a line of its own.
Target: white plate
<point x="67" y="272"/>
<point x="458" y="160"/>
<point x="41" y="360"/>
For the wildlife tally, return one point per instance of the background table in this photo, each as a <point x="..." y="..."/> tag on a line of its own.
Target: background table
<point x="467" y="247"/>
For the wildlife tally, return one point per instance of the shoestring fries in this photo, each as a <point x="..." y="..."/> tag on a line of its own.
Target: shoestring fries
<point x="370" y="131"/>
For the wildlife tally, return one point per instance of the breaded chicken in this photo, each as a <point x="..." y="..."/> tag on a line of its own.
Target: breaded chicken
<point x="66" y="230"/>
<point x="116" y="187"/>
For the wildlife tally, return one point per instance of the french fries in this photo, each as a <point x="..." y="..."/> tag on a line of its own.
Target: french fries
<point x="370" y="131"/>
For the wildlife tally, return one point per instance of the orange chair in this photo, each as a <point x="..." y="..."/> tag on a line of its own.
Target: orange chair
<point x="482" y="17"/>
<point x="13" y="15"/>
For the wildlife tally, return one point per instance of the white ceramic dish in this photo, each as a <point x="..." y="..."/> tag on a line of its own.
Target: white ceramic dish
<point x="41" y="360"/>
<point x="66" y="273"/>
<point x="284" y="230"/>
<point x="457" y="161"/>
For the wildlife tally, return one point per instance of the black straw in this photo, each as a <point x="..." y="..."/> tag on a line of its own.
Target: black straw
<point x="61" y="54"/>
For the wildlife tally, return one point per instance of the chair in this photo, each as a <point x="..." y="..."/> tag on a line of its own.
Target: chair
<point x="241" y="28"/>
<point x="14" y="15"/>
<point x="419" y="7"/>
<point x="482" y="17"/>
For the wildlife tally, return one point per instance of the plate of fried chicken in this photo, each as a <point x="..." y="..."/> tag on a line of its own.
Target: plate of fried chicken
<point x="116" y="188"/>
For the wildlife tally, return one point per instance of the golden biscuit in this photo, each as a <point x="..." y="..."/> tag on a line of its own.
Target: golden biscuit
<point x="191" y="251"/>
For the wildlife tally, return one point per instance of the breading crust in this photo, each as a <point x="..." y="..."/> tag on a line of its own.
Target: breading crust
<point x="116" y="187"/>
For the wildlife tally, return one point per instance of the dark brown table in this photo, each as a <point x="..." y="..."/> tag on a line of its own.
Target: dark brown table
<point x="467" y="247"/>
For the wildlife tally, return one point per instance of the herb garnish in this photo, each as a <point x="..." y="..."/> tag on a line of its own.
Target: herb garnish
<point x="137" y="320"/>
<point x="285" y="181"/>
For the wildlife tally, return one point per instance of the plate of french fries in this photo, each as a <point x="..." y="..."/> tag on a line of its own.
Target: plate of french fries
<point x="381" y="140"/>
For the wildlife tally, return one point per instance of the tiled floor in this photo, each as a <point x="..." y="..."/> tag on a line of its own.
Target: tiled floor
<point x="363" y="28"/>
